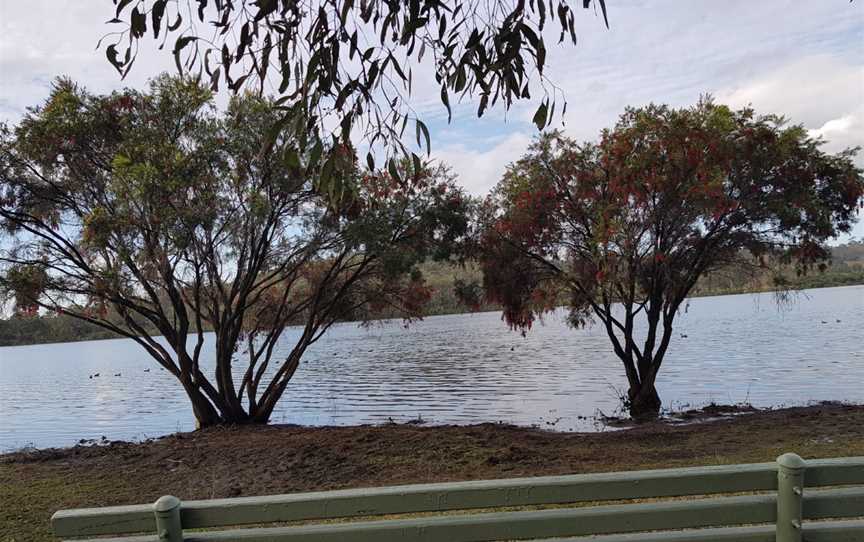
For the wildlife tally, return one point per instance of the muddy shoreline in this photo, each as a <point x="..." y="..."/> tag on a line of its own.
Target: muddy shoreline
<point x="249" y="460"/>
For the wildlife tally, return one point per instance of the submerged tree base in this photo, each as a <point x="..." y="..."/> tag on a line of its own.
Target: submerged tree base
<point x="644" y="403"/>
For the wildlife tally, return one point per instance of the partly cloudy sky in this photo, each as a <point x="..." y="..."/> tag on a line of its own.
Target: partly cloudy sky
<point x="800" y="58"/>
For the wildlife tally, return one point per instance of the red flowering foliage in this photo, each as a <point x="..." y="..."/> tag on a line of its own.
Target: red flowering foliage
<point x="664" y="197"/>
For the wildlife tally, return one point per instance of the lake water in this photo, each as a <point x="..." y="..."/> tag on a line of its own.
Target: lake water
<point x="459" y="369"/>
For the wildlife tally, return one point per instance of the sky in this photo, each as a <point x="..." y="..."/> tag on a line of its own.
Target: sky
<point x="799" y="58"/>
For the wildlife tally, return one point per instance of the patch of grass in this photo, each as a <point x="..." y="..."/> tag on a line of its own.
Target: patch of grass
<point x="29" y="495"/>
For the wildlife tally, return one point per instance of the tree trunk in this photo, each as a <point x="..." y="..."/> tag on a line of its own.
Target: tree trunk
<point x="644" y="402"/>
<point x="265" y="408"/>
<point x="205" y="414"/>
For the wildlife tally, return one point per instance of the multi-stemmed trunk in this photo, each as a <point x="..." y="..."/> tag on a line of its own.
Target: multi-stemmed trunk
<point x="643" y="401"/>
<point x="207" y="415"/>
<point x="227" y="409"/>
<point x="220" y="401"/>
<point x="642" y="365"/>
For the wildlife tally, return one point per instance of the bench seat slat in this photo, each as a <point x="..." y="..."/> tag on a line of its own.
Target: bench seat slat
<point x="108" y="520"/>
<point x="825" y="531"/>
<point x="845" y="502"/>
<point x="834" y="472"/>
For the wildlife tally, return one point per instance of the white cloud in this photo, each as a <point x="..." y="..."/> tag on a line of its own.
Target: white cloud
<point x="480" y="170"/>
<point x="808" y="88"/>
<point x="41" y="40"/>
<point x="844" y="132"/>
<point x="824" y="93"/>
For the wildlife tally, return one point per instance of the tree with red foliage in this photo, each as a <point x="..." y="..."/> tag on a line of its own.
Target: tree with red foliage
<point x="621" y="230"/>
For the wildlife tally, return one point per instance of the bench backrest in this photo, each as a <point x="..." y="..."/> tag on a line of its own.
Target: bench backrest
<point x="776" y="513"/>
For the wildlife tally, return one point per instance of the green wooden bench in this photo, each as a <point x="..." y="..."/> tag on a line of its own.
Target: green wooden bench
<point x="774" y="507"/>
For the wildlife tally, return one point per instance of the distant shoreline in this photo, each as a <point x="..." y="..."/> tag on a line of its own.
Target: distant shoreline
<point x="104" y="335"/>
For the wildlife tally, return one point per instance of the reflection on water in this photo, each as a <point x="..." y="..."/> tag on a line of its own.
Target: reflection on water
<point x="458" y="369"/>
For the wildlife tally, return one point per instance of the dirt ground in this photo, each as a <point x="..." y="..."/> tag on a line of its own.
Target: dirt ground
<point x="230" y="462"/>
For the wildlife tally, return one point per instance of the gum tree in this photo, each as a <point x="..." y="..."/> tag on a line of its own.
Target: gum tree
<point x="353" y="65"/>
<point x="153" y="214"/>
<point x="621" y="230"/>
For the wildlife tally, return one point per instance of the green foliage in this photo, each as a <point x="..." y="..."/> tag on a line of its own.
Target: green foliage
<point x="151" y="213"/>
<point x="354" y="62"/>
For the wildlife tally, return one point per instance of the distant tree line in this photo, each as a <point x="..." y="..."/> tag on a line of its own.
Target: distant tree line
<point x="846" y="268"/>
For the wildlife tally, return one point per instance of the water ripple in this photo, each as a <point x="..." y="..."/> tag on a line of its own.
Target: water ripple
<point x="457" y="369"/>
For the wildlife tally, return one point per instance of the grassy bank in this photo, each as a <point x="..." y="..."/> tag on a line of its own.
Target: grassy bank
<point x="281" y="459"/>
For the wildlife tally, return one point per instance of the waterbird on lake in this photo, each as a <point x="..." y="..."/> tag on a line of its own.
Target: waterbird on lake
<point x="824" y="322"/>
<point x="117" y="374"/>
<point x="683" y="335"/>
<point x="146" y="370"/>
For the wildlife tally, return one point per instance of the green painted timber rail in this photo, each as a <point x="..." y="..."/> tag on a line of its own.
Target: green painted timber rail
<point x="764" y="502"/>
